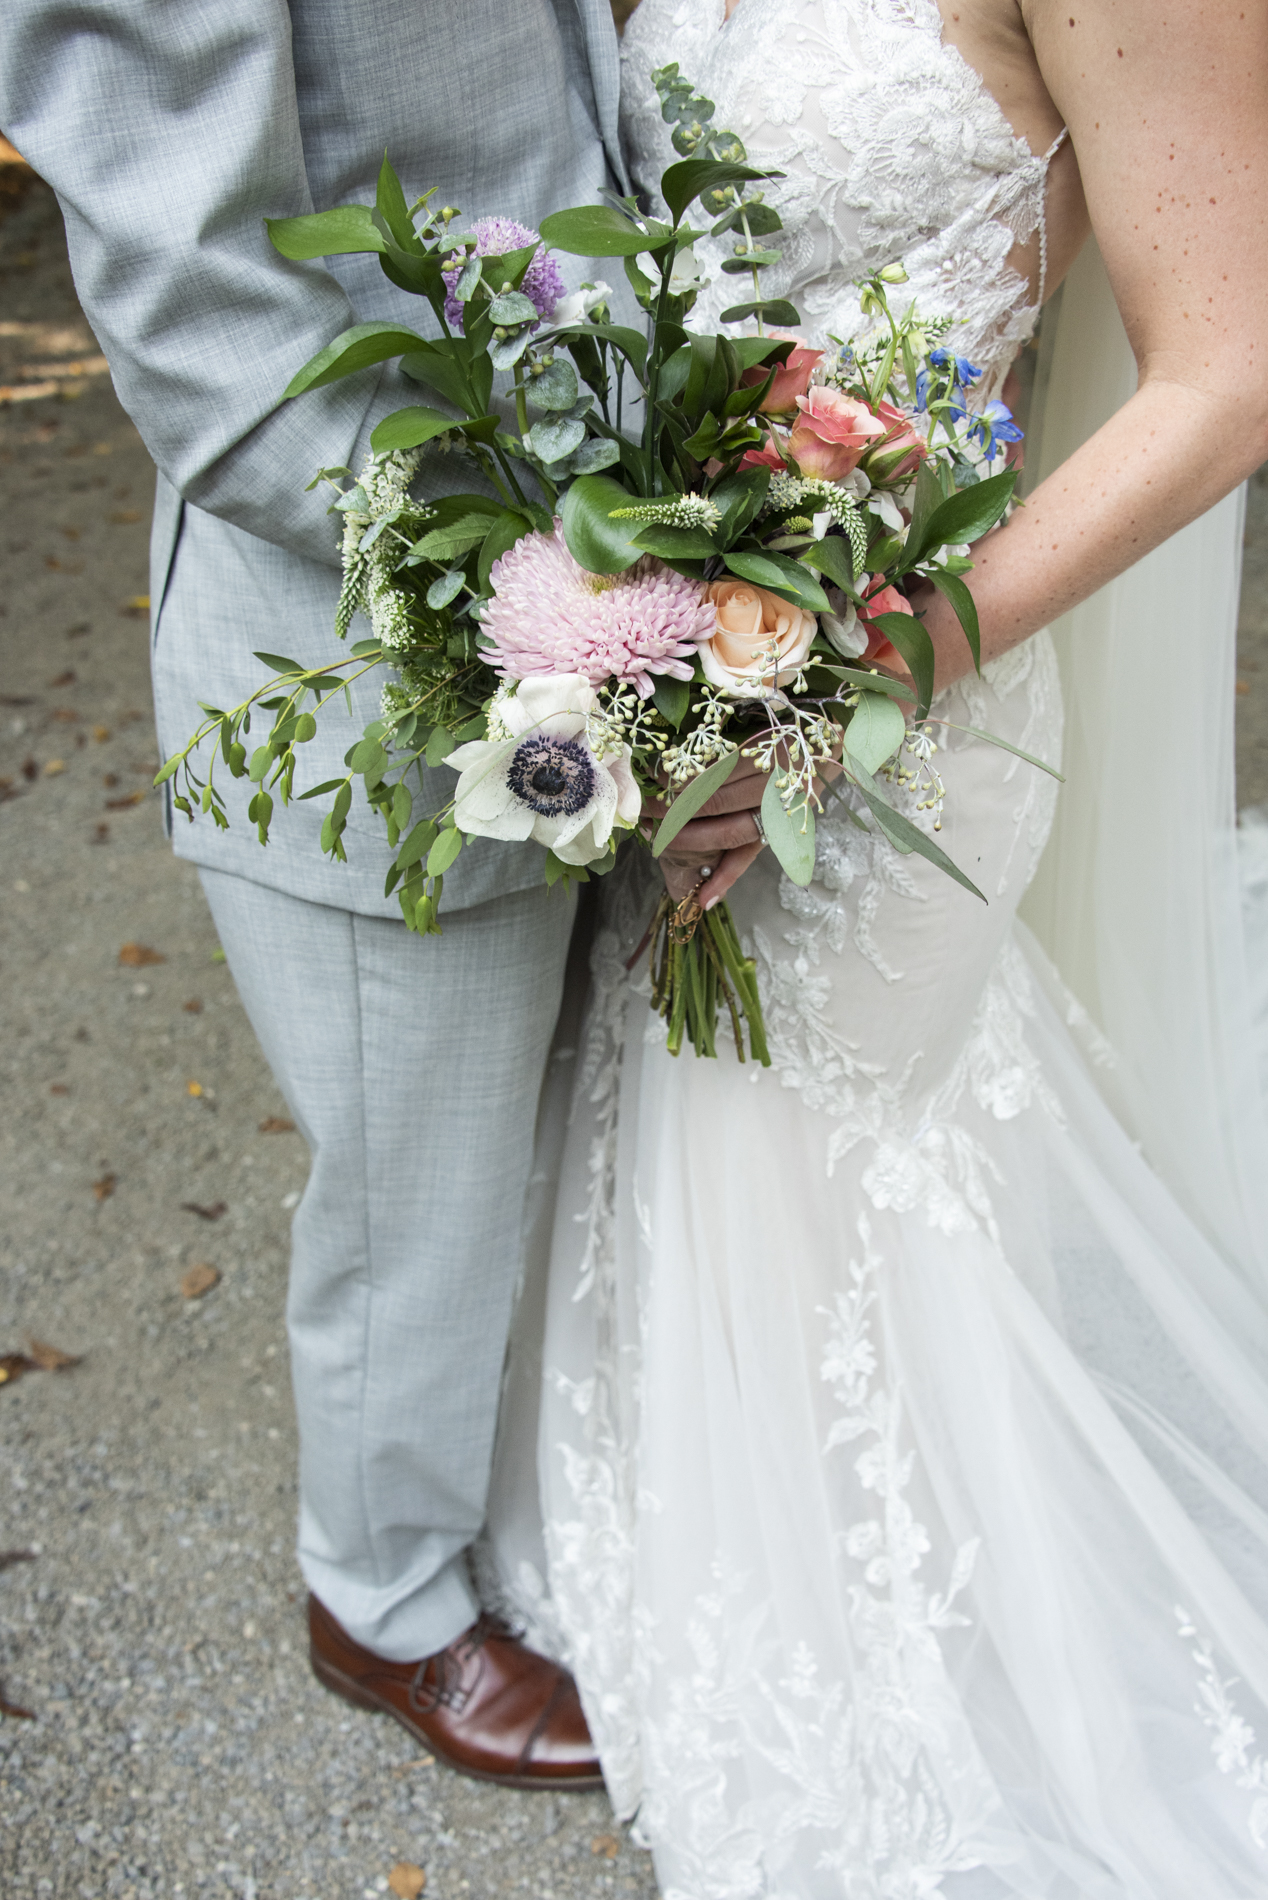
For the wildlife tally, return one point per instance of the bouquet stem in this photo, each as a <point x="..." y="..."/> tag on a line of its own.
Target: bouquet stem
<point x="697" y="966"/>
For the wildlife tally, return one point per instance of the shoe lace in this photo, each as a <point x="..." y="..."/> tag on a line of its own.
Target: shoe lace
<point x="438" y="1680"/>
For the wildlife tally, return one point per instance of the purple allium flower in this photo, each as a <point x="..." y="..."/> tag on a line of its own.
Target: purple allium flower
<point x="542" y="285"/>
<point x="549" y="615"/>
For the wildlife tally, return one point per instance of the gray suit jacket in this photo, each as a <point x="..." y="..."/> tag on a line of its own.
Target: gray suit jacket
<point x="170" y="129"/>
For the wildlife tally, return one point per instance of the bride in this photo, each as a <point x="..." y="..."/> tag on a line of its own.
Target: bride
<point x="885" y="1442"/>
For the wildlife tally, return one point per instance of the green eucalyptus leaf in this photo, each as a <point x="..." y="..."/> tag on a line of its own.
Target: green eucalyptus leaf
<point x="444" y="851"/>
<point x="512" y="307"/>
<point x="697" y="792"/>
<point x="505" y="352"/>
<point x="555" y="438"/>
<point x="593" y="455"/>
<point x="903" y="835"/>
<point x="279" y="663"/>
<point x="790" y="834"/>
<point x="450" y="585"/>
<point x="556" y="387"/>
<point x="875" y="732"/>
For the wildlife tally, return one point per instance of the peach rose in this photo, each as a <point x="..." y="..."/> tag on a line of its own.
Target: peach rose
<point x="832" y="433"/>
<point x="750" y="622"/>
<point x="792" y="379"/>
<point x="901" y="435"/>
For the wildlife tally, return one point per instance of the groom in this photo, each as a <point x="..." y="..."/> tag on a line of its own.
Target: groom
<point x="170" y="131"/>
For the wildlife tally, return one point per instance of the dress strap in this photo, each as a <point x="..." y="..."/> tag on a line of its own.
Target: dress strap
<point x="1045" y="161"/>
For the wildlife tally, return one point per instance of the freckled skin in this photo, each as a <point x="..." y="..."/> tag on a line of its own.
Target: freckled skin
<point x="1126" y="83"/>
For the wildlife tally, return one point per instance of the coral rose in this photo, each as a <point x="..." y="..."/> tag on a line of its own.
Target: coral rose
<point x="832" y="433"/>
<point x="792" y="379"/>
<point x="882" y="600"/>
<point x="759" y="641"/>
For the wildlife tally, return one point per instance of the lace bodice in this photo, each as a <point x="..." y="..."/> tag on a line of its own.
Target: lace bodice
<point x="891" y="146"/>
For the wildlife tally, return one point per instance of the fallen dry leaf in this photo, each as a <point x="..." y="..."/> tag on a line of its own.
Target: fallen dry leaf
<point x="53" y="767"/>
<point x="30" y="769"/>
<point x="105" y="1187"/>
<point x="607" y="1845"/>
<point x="13" y="1365"/>
<point x="199" y="1280"/>
<point x="194" y="1007"/>
<point x="213" y="1212"/>
<point x="101" y="734"/>
<point x="50" y="1358"/>
<point x="64" y="679"/>
<point x="407" y="1767"/>
<point x="139" y="604"/>
<point x="109" y="779"/>
<point x="58" y="1088"/>
<point x="16" y="1714"/>
<point x="276" y="1125"/>
<point x="407" y="1880"/>
<point x="134" y="956"/>
<point x="121" y="804"/>
<point x="17" y="699"/>
<point x="8" y="1557"/>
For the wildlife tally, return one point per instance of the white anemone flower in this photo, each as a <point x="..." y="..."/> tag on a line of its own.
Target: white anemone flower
<point x="538" y="777"/>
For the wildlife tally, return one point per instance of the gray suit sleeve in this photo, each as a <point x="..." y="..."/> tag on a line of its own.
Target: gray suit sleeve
<point x="169" y="129"/>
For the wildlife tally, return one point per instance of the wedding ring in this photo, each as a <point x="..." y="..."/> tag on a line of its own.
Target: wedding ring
<point x="761" y="829"/>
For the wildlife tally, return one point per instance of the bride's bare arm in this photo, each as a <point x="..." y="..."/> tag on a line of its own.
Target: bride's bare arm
<point x="1168" y="114"/>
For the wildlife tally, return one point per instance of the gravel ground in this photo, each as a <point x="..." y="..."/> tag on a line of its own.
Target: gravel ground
<point x="150" y="1608"/>
<point x="179" y="1744"/>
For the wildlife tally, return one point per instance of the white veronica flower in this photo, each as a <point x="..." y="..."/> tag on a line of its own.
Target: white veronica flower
<point x="538" y="776"/>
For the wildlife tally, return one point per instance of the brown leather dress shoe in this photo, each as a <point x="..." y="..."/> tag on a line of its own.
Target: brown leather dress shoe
<point x="485" y="1706"/>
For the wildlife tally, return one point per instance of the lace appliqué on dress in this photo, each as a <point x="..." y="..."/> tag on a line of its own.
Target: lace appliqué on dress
<point x="891" y="149"/>
<point x="1232" y="1737"/>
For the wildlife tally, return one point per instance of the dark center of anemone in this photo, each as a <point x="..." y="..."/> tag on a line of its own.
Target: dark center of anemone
<point x="553" y="777"/>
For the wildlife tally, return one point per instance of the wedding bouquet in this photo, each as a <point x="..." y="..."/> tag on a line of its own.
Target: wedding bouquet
<point x="679" y="549"/>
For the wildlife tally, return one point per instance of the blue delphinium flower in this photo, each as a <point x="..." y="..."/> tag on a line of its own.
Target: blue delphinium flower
<point x="995" y="424"/>
<point x="962" y="371"/>
<point x="963" y="375"/>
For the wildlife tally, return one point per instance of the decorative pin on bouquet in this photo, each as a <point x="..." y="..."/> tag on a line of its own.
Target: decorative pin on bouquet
<point x="612" y="618"/>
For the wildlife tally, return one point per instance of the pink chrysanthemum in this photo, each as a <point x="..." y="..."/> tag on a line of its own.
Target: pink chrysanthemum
<point x="543" y="285"/>
<point x="549" y="615"/>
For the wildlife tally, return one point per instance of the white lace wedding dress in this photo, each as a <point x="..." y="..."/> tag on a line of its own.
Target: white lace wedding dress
<point x="883" y="1447"/>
